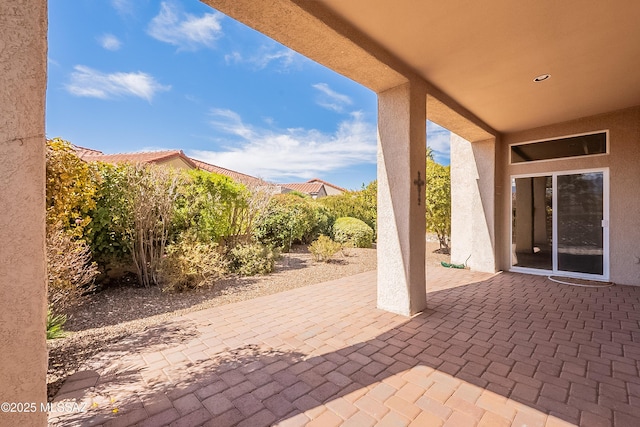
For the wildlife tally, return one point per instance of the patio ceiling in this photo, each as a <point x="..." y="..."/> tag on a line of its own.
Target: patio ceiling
<point x="479" y="57"/>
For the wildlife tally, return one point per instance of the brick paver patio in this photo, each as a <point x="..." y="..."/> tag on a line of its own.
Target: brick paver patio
<point x="500" y="350"/>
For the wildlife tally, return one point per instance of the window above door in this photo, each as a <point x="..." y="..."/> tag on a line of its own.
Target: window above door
<point x="589" y="144"/>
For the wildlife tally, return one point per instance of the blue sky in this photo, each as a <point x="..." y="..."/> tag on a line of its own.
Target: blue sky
<point x="141" y="75"/>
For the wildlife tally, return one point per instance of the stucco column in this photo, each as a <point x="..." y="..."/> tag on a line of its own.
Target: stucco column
<point x="23" y="350"/>
<point x="401" y="191"/>
<point x="473" y="169"/>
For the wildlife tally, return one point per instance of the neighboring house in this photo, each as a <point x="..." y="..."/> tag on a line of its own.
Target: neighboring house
<point x="331" y="189"/>
<point x="314" y="189"/>
<point x="248" y="180"/>
<point x="173" y="158"/>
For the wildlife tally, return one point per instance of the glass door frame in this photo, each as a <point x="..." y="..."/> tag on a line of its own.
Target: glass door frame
<point x="554" y="255"/>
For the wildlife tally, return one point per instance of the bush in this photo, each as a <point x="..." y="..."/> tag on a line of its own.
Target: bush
<point x="189" y="264"/>
<point x="287" y="219"/>
<point x="111" y="218"/>
<point x="360" y="204"/>
<point x="70" y="187"/>
<point x="213" y="206"/>
<point x="55" y="323"/>
<point x="353" y="231"/>
<point x="251" y="259"/>
<point x="323" y="249"/>
<point x="133" y="216"/>
<point x="322" y="224"/>
<point x="438" y="201"/>
<point x="70" y="271"/>
<point x="152" y="192"/>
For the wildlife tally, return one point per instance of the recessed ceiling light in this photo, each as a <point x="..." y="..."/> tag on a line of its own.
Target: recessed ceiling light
<point x="542" y="77"/>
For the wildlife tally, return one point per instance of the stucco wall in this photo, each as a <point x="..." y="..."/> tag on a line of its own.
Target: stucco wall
<point x="23" y="352"/>
<point x="623" y="162"/>
<point x="177" y="163"/>
<point x="473" y="203"/>
<point x="332" y="191"/>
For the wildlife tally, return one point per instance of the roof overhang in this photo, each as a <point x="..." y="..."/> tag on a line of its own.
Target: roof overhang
<point x="479" y="59"/>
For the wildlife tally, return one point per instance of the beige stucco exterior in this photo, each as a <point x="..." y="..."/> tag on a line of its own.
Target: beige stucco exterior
<point x="332" y="191"/>
<point x="479" y="203"/>
<point x="473" y="79"/>
<point x="401" y="211"/>
<point x="177" y="163"/>
<point x="23" y="351"/>
<point x="473" y="203"/>
<point x="623" y="162"/>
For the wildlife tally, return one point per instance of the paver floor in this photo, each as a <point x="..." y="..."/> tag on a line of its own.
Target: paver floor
<point x="508" y="349"/>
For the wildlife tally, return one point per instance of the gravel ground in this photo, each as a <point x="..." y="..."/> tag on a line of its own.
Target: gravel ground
<point x="118" y="312"/>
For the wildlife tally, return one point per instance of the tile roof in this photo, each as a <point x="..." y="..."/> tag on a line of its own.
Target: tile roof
<point x="305" y="187"/>
<point x="236" y="176"/>
<point x="90" y="155"/>
<point x="84" y="151"/>
<point x="328" y="183"/>
<point x="141" y="157"/>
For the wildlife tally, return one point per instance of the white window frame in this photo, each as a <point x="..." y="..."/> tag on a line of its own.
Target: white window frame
<point x="554" y="255"/>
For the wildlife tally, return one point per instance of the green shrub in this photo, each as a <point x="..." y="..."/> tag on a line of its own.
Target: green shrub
<point x="360" y="204"/>
<point x="322" y="223"/>
<point x="55" y="323"/>
<point x="251" y="259"/>
<point x="287" y="219"/>
<point x="133" y="216"/>
<point x="323" y="249"/>
<point x="111" y="218"/>
<point x="189" y="264"/>
<point x="353" y="231"/>
<point x="70" y="187"/>
<point x="438" y="201"/>
<point x="213" y="206"/>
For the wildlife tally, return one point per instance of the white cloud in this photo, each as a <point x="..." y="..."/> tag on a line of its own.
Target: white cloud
<point x="187" y="31"/>
<point x="292" y="154"/>
<point x="438" y="139"/>
<point x="110" y="42"/>
<point x="88" y="82"/>
<point x="124" y="7"/>
<point x="330" y="99"/>
<point x="230" y="122"/>
<point x="233" y="58"/>
<point x="274" y="54"/>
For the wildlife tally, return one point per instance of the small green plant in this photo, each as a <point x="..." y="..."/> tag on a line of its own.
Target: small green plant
<point x="55" y="324"/>
<point x="353" y="231"/>
<point x="190" y="264"/>
<point x="323" y="249"/>
<point x="251" y="259"/>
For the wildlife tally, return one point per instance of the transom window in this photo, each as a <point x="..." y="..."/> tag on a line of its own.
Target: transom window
<point x="571" y="146"/>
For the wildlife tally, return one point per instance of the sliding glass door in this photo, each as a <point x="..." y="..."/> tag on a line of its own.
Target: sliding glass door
<point x="580" y="220"/>
<point x="560" y="223"/>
